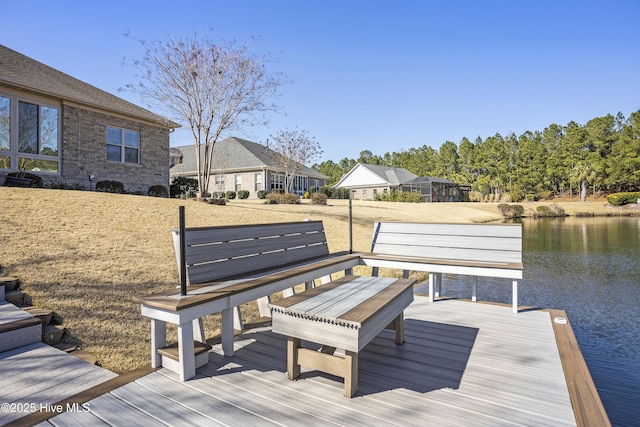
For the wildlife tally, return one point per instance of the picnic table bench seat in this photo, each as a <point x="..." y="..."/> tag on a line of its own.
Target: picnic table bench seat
<point x="227" y="266"/>
<point x="479" y="250"/>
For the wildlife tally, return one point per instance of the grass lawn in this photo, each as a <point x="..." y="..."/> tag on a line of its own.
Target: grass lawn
<point x="86" y="255"/>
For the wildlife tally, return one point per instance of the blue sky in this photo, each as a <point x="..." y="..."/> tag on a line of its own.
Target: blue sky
<point x="372" y="75"/>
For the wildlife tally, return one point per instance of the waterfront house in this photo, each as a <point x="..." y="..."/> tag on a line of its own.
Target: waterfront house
<point x="74" y="134"/>
<point x="367" y="181"/>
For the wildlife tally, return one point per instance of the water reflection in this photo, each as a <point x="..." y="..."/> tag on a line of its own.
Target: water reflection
<point x="590" y="268"/>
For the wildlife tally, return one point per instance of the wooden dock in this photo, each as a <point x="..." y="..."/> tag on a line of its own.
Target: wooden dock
<point x="462" y="363"/>
<point x="37" y="376"/>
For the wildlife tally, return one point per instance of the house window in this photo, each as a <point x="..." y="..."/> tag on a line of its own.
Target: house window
<point x="238" y="182"/>
<point x="123" y="145"/>
<point x="29" y="138"/>
<point x="277" y="182"/>
<point x="258" y="182"/>
<point x="300" y="184"/>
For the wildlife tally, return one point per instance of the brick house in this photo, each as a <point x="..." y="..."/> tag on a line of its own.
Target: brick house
<point x="74" y="134"/>
<point x="239" y="164"/>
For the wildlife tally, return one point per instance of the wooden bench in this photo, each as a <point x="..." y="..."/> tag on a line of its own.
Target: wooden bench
<point x="486" y="250"/>
<point x="228" y="266"/>
<point x="345" y="314"/>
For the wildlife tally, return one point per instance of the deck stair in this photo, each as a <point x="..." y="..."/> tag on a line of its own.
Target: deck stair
<point x="17" y="327"/>
<point x="21" y="324"/>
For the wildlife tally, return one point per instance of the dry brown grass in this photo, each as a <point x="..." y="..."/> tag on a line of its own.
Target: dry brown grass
<point x="86" y="255"/>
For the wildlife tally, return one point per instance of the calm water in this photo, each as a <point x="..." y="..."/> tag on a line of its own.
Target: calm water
<point x="589" y="267"/>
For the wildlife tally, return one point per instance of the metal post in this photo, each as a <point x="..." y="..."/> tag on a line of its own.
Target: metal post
<point x="350" y="226"/>
<point x="183" y="256"/>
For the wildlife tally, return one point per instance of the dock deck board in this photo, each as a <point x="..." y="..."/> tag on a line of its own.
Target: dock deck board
<point x="39" y="374"/>
<point x="462" y="364"/>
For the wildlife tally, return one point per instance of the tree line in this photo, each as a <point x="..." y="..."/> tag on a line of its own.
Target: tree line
<point x="601" y="156"/>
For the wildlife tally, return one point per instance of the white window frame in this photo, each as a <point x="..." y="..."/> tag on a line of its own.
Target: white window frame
<point x="18" y="159"/>
<point x="258" y="182"/>
<point x="122" y="145"/>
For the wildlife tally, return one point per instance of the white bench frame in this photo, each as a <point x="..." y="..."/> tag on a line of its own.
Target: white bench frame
<point x="486" y="250"/>
<point x="232" y="265"/>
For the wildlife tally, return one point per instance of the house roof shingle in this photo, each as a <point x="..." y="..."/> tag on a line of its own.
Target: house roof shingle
<point x="391" y="175"/>
<point x="233" y="154"/>
<point x="25" y="73"/>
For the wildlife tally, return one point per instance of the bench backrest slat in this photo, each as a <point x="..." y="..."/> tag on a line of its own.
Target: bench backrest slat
<point x="467" y="242"/>
<point x="215" y="253"/>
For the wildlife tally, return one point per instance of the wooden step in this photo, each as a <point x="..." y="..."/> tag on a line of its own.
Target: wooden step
<point x="17" y="328"/>
<point x="171" y="351"/>
<point x="15" y="297"/>
<point x="44" y="314"/>
<point x="52" y="334"/>
<point x="171" y="361"/>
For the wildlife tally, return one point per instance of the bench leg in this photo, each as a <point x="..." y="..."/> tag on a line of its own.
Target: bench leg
<point x="227" y="332"/>
<point x="350" y="373"/>
<point x="514" y="289"/>
<point x="431" y="294"/>
<point x="198" y="330"/>
<point x="405" y="274"/>
<point x="374" y="271"/>
<point x="186" y="356"/>
<point x="399" y="327"/>
<point x="474" y="290"/>
<point x="293" y="366"/>
<point x="158" y="340"/>
<point x="438" y="285"/>
<point x="237" y="319"/>
<point x="263" y="306"/>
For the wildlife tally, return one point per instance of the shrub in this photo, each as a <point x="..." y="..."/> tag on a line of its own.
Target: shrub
<point x="517" y="211"/>
<point x="231" y="195"/>
<point x="158" y="191"/>
<point x="557" y="210"/>
<point x="399" y="196"/>
<point x="183" y="187"/>
<point x="36" y="179"/>
<point x="318" y="199"/>
<point x="543" y="211"/>
<point x="336" y="193"/>
<point x="110" y="187"/>
<point x="221" y="202"/>
<point x="289" y="199"/>
<point x="505" y="210"/>
<point x="619" y="199"/>
<point x="283" y="198"/>
<point x="262" y="194"/>
<point x="243" y="194"/>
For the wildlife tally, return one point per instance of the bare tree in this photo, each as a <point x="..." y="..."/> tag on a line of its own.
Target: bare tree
<point x="290" y="150"/>
<point x="208" y="87"/>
